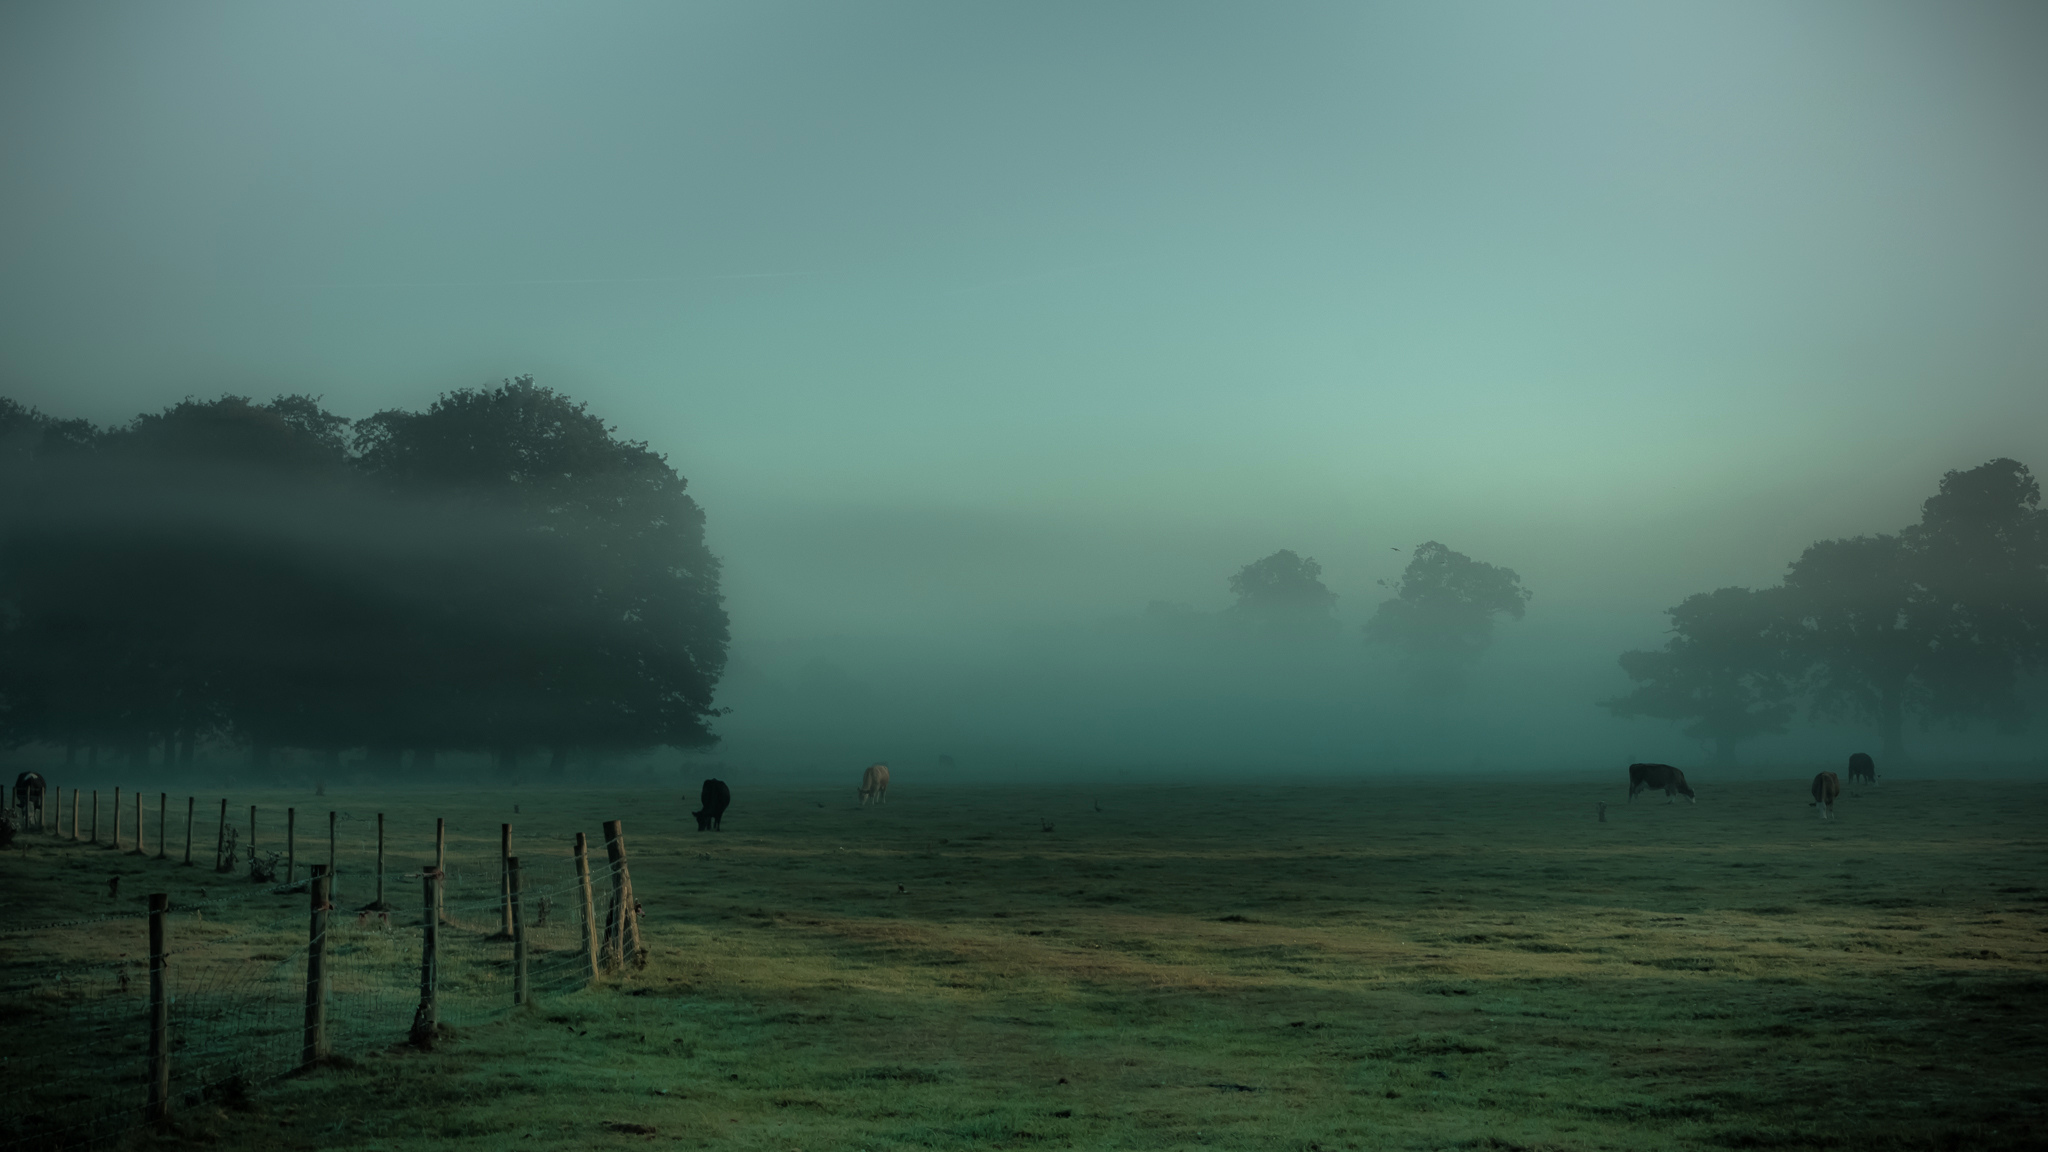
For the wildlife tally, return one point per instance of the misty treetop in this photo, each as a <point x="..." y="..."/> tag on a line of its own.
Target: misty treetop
<point x="1442" y="613"/>
<point x="1284" y="594"/>
<point x="1938" y="622"/>
<point x="499" y="572"/>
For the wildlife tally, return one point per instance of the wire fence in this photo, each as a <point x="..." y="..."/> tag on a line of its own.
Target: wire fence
<point x="238" y="980"/>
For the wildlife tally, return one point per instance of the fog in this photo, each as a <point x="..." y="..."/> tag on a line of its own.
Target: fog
<point x="994" y="340"/>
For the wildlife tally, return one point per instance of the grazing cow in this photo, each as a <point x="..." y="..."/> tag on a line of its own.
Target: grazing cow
<point x="1826" y="787"/>
<point x="715" y="798"/>
<point x="1862" y="767"/>
<point x="1671" y="780"/>
<point x="874" y="784"/>
<point x="28" y="793"/>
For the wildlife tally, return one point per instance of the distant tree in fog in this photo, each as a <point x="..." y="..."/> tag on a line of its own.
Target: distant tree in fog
<point x="1284" y="595"/>
<point x="1940" y="621"/>
<point x="1442" y="613"/>
<point x="1727" y="670"/>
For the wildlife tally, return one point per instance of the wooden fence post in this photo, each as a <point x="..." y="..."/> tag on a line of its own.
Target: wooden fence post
<point x="519" y="994"/>
<point x="74" y="813"/>
<point x="95" y="826"/>
<point x="426" y="1019"/>
<point x="191" y="810"/>
<point x="159" y="1108"/>
<point x="316" y="972"/>
<point x="589" y="906"/>
<point x="441" y="866"/>
<point x="291" y="845"/>
<point x="163" y="822"/>
<point x="624" y="925"/>
<point x="505" y="877"/>
<point x="141" y="849"/>
<point x="380" y="905"/>
<point x="252" y="833"/>
<point x="220" y="842"/>
<point x="117" y="819"/>
<point x="333" y="877"/>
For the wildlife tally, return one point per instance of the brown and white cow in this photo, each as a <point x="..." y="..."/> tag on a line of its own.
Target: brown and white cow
<point x="874" y="784"/>
<point x="1826" y="787"/>
<point x="1862" y="767"/>
<point x="1671" y="780"/>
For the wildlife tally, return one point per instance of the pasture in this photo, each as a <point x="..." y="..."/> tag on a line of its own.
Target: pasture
<point x="1312" y="967"/>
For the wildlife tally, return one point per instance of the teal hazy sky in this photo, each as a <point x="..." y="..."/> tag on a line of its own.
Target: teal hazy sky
<point x="960" y="316"/>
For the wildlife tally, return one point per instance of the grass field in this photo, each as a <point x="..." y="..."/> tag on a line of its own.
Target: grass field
<point x="1311" y="967"/>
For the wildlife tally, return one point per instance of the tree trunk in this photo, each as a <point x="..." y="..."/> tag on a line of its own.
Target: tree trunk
<point x="1724" y="751"/>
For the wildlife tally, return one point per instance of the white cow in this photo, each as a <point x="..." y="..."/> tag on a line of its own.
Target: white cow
<point x="874" y="784"/>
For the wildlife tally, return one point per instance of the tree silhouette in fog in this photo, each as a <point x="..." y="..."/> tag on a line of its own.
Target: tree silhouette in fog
<point x="621" y="643"/>
<point x="499" y="572"/>
<point x="1939" y="621"/>
<point x="1283" y="595"/>
<point x="1442" y="614"/>
<point x="1727" y="670"/>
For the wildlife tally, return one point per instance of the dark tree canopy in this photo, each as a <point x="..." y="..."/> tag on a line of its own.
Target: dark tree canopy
<point x="499" y="572"/>
<point x="1284" y="595"/>
<point x="1726" y="670"/>
<point x="1938" y="622"/>
<point x="1442" y="613"/>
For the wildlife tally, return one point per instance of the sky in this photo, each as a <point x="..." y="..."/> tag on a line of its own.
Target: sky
<point x="970" y="319"/>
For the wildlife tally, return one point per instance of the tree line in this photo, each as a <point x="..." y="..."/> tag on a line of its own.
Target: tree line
<point x="1940" y="622"/>
<point x="500" y="572"/>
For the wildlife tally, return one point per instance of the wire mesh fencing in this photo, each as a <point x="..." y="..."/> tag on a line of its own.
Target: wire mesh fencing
<point x="242" y="992"/>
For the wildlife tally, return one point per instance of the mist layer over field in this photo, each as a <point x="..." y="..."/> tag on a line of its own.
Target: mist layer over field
<point x="994" y="342"/>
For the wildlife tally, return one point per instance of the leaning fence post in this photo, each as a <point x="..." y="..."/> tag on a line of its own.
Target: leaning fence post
<point x="316" y="971"/>
<point x="505" y="876"/>
<point x="589" y="906"/>
<point x="440" y="864"/>
<point x="159" y="1108"/>
<point x="625" y="925"/>
<point x="426" y="1019"/>
<point x="291" y="845"/>
<point x="191" y="809"/>
<point x="519" y="994"/>
<point x="220" y="842"/>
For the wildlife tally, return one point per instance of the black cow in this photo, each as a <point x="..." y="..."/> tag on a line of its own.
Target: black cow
<point x="28" y="793"/>
<point x="1671" y="780"/>
<point x="1826" y="787"/>
<point x="715" y="798"/>
<point x="1862" y="767"/>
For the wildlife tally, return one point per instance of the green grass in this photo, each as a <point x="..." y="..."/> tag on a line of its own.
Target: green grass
<point x="1309" y="967"/>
